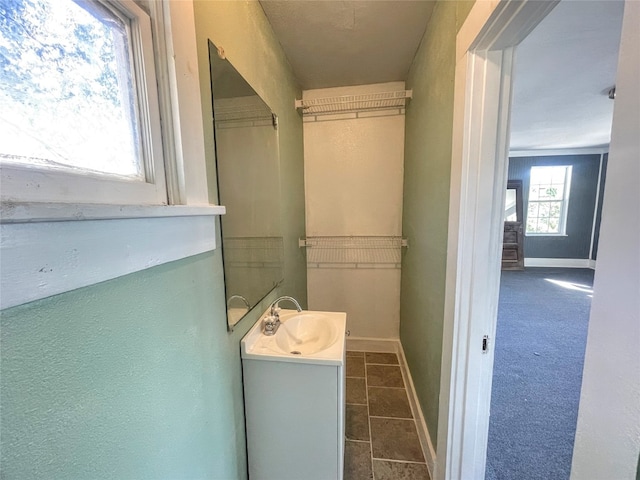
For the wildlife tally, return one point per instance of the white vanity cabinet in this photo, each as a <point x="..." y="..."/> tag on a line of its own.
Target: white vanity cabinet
<point x="295" y="414"/>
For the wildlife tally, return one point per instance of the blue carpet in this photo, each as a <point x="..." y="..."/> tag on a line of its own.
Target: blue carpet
<point x="541" y="335"/>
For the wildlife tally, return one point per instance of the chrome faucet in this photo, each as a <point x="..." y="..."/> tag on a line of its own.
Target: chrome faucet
<point x="272" y="321"/>
<point x="239" y="297"/>
<point x="275" y="306"/>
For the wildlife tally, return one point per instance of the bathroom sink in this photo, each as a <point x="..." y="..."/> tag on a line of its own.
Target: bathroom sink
<point x="307" y="337"/>
<point x="305" y="333"/>
<point x="294" y="396"/>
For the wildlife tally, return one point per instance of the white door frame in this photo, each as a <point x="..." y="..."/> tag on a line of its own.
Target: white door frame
<point x="484" y="52"/>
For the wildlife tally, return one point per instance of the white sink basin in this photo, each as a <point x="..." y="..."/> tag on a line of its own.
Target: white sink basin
<point x="305" y="333"/>
<point x="307" y="336"/>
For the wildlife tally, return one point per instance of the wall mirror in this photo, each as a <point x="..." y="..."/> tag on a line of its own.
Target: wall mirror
<point x="513" y="238"/>
<point x="248" y="175"/>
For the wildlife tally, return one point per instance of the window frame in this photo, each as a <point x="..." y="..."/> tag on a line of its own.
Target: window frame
<point x="49" y="247"/>
<point x="26" y="184"/>
<point x="562" y="226"/>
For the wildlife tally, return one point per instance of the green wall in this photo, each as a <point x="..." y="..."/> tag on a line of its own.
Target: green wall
<point x="132" y="378"/>
<point x="138" y="377"/>
<point x="427" y="168"/>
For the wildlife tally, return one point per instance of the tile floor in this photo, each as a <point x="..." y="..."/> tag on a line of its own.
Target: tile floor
<point x="382" y="441"/>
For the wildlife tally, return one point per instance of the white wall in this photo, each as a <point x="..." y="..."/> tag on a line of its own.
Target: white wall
<point x="608" y="433"/>
<point x="353" y="186"/>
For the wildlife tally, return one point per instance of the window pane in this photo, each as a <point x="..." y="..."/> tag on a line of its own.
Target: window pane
<point x="558" y="174"/>
<point x="534" y="193"/>
<point x="558" y="189"/>
<point x="548" y="194"/>
<point x="548" y="175"/>
<point x="555" y="209"/>
<point x="543" y="225"/>
<point x="539" y="175"/>
<point x="67" y="97"/>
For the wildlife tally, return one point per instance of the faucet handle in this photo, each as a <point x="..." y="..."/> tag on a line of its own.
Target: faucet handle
<point x="270" y="324"/>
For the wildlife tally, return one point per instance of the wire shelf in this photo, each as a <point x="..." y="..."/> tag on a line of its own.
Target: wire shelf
<point x="354" y="251"/>
<point x="253" y="251"/>
<point x="354" y="103"/>
<point x="250" y="108"/>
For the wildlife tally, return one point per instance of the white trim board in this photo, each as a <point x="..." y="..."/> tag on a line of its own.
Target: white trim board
<point x="560" y="262"/>
<point x="61" y="212"/>
<point x="423" y="432"/>
<point x="560" y="152"/>
<point x="368" y="344"/>
<point x="42" y="259"/>
<point x="481" y="87"/>
<point x="482" y="91"/>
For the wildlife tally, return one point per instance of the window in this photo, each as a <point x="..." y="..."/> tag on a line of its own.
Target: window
<point x="82" y="169"/>
<point x="548" y="200"/>
<point x="79" y="117"/>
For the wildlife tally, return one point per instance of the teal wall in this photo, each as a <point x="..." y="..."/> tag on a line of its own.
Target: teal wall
<point x="582" y="205"/>
<point x="138" y="377"/>
<point x="427" y="168"/>
<point x="132" y="378"/>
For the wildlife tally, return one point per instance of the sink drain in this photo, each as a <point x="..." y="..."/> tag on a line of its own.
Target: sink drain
<point x="296" y="352"/>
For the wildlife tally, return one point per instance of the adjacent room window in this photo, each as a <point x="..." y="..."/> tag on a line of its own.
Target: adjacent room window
<point x="548" y="200"/>
<point x="78" y="99"/>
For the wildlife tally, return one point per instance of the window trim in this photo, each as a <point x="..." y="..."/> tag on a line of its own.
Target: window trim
<point x="50" y="248"/>
<point x="22" y="183"/>
<point x="49" y="255"/>
<point x="562" y="227"/>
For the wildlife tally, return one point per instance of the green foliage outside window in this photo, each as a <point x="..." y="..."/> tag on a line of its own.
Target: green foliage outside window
<point x="67" y="93"/>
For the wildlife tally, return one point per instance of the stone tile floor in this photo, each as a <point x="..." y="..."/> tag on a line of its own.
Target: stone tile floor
<point x="382" y="440"/>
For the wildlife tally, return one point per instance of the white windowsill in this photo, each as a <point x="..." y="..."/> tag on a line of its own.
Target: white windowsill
<point x="11" y="212"/>
<point x="48" y="249"/>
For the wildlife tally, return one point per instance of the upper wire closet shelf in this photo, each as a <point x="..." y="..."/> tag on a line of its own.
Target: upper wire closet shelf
<point x="242" y="109"/>
<point x="354" y="251"/>
<point x="354" y="103"/>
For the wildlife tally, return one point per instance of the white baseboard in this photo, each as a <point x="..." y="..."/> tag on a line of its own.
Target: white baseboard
<point x="360" y="344"/>
<point x="423" y="431"/>
<point x="365" y="344"/>
<point x="560" y="262"/>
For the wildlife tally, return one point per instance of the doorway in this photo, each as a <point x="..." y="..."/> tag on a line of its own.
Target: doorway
<point x="556" y="151"/>
<point x="480" y="149"/>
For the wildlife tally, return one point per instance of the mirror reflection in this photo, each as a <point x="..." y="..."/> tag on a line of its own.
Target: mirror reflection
<point x="510" y="213"/>
<point x="247" y="165"/>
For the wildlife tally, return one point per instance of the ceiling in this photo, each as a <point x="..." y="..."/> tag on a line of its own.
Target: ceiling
<point x="335" y="43"/>
<point x="562" y="72"/>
